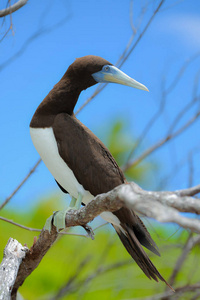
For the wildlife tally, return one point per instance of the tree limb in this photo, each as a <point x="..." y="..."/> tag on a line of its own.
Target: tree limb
<point x="12" y="8"/>
<point x="14" y="252"/>
<point x="162" y="206"/>
<point x="33" y="257"/>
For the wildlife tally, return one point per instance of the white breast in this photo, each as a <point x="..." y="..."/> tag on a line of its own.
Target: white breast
<point x="46" y="145"/>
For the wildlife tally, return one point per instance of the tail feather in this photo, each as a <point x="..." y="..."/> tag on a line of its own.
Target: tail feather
<point x="144" y="237"/>
<point x="134" y="248"/>
<point x="133" y="233"/>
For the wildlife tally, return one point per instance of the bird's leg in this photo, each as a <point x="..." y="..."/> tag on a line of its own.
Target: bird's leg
<point x="78" y="201"/>
<point x="48" y="224"/>
<point x="72" y="202"/>
<point x="58" y="218"/>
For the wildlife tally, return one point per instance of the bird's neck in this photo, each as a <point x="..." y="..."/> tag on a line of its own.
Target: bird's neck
<point x="61" y="99"/>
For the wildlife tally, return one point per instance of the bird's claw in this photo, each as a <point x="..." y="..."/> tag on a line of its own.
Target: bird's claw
<point x="89" y="231"/>
<point x="57" y="219"/>
<point x="48" y="224"/>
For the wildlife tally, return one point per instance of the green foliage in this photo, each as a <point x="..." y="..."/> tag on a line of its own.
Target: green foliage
<point x="100" y="277"/>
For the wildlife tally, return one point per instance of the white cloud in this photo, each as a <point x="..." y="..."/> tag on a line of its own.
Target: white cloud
<point x="185" y="27"/>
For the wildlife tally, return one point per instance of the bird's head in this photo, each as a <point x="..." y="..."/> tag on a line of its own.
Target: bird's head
<point x="89" y="70"/>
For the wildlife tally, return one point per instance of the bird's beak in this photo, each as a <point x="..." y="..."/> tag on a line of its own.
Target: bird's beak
<point x="113" y="74"/>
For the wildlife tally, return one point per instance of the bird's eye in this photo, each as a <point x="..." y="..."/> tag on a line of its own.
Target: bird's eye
<point x="106" y="68"/>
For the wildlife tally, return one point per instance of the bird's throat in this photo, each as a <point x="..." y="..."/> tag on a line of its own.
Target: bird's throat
<point x="61" y="99"/>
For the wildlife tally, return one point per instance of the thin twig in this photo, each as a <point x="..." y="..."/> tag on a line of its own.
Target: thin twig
<point x="145" y="132"/>
<point x="162" y="142"/>
<point x="39" y="230"/>
<point x="19" y="225"/>
<point x="124" y="57"/>
<point x="21" y="184"/>
<point x="181" y="114"/>
<point x="71" y="281"/>
<point x="181" y="72"/>
<point x="191" y="242"/>
<point x="176" y="168"/>
<point x="169" y="295"/>
<point x="191" y="170"/>
<point x="39" y="32"/>
<point x="5" y="34"/>
<point x="142" y="33"/>
<point x="166" y="91"/>
<point x="88" y="278"/>
<point x="196" y="297"/>
<point x="131" y="18"/>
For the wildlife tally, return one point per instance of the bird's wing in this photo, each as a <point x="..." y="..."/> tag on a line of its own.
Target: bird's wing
<point x="97" y="171"/>
<point x="88" y="158"/>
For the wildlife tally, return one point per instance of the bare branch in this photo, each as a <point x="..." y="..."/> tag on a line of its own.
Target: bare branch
<point x="5" y="34"/>
<point x="177" y="168"/>
<point x="181" y="114"/>
<point x="143" y="32"/>
<point x="163" y="141"/>
<point x="175" y="3"/>
<point x="39" y="230"/>
<point x="12" y="8"/>
<point x="14" y="252"/>
<point x="196" y="297"/>
<point x="131" y="18"/>
<point x="33" y="37"/>
<point x="169" y="296"/>
<point x="72" y="280"/>
<point x="20" y="185"/>
<point x="144" y="133"/>
<point x="162" y="206"/>
<point x="165" y="92"/>
<point x="34" y="256"/>
<point x="157" y="205"/>
<point x="189" y="192"/>
<point x="74" y="286"/>
<point x="191" y="243"/>
<point x="19" y="225"/>
<point x="125" y="56"/>
<point x="181" y="72"/>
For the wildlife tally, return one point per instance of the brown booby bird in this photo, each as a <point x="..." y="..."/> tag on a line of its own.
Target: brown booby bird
<point x="80" y="163"/>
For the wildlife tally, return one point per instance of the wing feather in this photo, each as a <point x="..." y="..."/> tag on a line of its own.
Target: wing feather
<point x="88" y="158"/>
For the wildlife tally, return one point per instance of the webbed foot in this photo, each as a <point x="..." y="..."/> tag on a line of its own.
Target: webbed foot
<point x="58" y="218"/>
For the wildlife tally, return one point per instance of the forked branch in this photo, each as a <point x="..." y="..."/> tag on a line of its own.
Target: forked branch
<point x="162" y="206"/>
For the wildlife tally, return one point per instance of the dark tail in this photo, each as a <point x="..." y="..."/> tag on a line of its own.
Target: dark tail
<point x="133" y="233"/>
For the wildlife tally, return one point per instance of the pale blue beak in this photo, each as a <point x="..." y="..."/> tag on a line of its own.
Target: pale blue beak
<point x="113" y="74"/>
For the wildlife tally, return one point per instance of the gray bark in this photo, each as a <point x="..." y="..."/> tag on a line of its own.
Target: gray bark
<point x="162" y="206"/>
<point x="12" y="8"/>
<point x="14" y="252"/>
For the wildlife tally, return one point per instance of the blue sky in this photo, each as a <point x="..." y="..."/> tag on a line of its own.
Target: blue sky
<point x="70" y="29"/>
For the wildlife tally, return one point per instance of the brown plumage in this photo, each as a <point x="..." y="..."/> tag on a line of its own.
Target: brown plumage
<point x="91" y="162"/>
